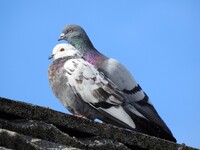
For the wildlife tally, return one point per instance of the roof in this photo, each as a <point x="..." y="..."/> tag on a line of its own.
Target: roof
<point x="27" y="126"/>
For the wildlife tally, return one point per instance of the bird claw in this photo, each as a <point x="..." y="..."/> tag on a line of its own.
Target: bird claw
<point x="80" y="116"/>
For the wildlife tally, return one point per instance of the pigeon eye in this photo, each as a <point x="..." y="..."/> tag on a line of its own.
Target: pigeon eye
<point x="70" y="30"/>
<point x="62" y="49"/>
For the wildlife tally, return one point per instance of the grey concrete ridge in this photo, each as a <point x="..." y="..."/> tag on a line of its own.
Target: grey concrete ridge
<point x="27" y="126"/>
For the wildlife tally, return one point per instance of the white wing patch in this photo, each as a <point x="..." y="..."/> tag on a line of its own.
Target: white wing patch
<point x="96" y="90"/>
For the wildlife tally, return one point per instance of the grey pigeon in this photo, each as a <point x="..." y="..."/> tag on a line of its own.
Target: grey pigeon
<point x="85" y="91"/>
<point x="138" y="104"/>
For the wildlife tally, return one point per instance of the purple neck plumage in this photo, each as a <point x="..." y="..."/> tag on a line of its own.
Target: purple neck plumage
<point x="93" y="57"/>
<point x="86" y="48"/>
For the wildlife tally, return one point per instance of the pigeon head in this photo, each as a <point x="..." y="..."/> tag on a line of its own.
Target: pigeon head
<point x="63" y="50"/>
<point x="76" y="36"/>
<point x="71" y="31"/>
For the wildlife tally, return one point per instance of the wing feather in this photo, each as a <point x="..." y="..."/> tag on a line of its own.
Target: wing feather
<point x="98" y="91"/>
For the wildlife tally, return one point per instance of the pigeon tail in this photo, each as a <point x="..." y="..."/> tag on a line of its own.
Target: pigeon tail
<point x="145" y="124"/>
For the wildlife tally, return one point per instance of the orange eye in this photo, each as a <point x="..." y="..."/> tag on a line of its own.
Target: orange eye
<point x="70" y="30"/>
<point x="62" y="49"/>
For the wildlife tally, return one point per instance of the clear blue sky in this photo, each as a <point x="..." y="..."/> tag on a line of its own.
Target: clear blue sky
<point x="158" y="41"/>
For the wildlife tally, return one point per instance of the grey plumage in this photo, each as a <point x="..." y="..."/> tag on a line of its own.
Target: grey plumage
<point x="138" y="104"/>
<point x="84" y="90"/>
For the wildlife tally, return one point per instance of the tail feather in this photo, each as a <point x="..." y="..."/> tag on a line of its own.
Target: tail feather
<point x="151" y="123"/>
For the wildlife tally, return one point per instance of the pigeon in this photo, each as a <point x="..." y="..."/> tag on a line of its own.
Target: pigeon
<point x="85" y="91"/>
<point x="138" y="104"/>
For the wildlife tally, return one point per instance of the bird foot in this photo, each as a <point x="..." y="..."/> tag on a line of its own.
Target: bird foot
<point x="80" y="116"/>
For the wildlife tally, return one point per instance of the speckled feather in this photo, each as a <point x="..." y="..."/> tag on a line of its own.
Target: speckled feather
<point x="84" y="90"/>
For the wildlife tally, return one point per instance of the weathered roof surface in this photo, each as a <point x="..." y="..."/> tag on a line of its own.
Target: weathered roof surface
<point x="27" y="126"/>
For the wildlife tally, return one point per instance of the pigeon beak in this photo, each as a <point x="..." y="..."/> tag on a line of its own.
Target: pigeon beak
<point x="51" y="56"/>
<point x="62" y="37"/>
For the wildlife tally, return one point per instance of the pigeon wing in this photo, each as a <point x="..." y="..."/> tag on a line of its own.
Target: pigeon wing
<point x="98" y="91"/>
